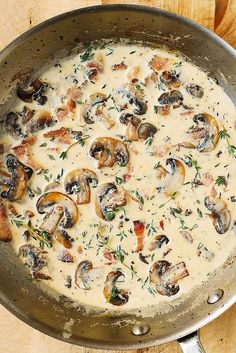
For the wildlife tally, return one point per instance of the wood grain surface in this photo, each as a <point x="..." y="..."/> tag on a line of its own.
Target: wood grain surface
<point x="16" y="16"/>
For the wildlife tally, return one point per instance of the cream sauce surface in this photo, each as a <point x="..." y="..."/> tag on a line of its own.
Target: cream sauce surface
<point x="180" y="215"/>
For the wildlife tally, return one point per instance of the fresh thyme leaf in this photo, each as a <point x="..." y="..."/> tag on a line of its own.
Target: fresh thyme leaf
<point x="220" y="181"/>
<point x="139" y="197"/>
<point x="87" y="55"/>
<point x="199" y="212"/>
<point x="109" y="215"/>
<point x="223" y="134"/>
<point x="50" y="156"/>
<point x="43" y="145"/>
<point x="63" y="155"/>
<point x="171" y="198"/>
<point x="118" y="180"/>
<point x="149" y="142"/>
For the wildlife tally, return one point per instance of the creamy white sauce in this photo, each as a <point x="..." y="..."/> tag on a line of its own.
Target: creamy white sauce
<point x="171" y="131"/>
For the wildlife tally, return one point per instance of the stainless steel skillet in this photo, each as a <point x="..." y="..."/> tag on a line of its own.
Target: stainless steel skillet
<point x="18" y="293"/>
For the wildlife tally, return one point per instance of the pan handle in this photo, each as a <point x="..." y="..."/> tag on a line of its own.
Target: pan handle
<point x="191" y="343"/>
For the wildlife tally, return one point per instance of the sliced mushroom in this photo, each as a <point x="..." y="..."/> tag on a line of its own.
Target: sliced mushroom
<point x="108" y="151"/>
<point x="94" y="99"/>
<point x="195" y="90"/>
<point x="170" y="79"/>
<point x="206" y="136"/>
<point x="17" y="183"/>
<point x="174" y="98"/>
<point x="5" y="230"/>
<point x="146" y="130"/>
<point x="65" y="256"/>
<point x="132" y="122"/>
<point x="82" y="278"/>
<point x="108" y="199"/>
<point x="36" y="93"/>
<point x="158" y="241"/>
<point x="165" y="276"/>
<point x="33" y="257"/>
<point x="11" y="125"/>
<point x="132" y="91"/>
<point x="171" y="180"/>
<point x="63" y="238"/>
<point x="220" y="215"/>
<point x="158" y="63"/>
<point x="23" y="153"/>
<point x="42" y="120"/>
<point x="112" y="293"/>
<point x="78" y="182"/>
<point x="60" y="208"/>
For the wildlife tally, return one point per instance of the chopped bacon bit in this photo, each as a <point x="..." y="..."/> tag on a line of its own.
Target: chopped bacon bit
<point x="158" y="63"/>
<point x="161" y="150"/>
<point x="71" y="105"/>
<point x="29" y="214"/>
<point x="120" y="66"/>
<point x="31" y="139"/>
<point x="139" y="228"/>
<point x="80" y="250"/>
<point x="40" y="276"/>
<point x="126" y="177"/>
<point x="12" y="209"/>
<point x="162" y="110"/>
<point x="109" y="256"/>
<point x="161" y="223"/>
<point x="61" y="113"/>
<point x="26" y="115"/>
<point x="61" y="135"/>
<point x="73" y="93"/>
<point x="1" y="148"/>
<point x="207" y="179"/>
<point x="5" y="230"/>
<point x="23" y="153"/>
<point x="189" y="112"/>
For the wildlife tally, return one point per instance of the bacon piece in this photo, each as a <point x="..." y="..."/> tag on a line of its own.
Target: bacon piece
<point x="71" y="105"/>
<point x="5" y="230"/>
<point x="126" y="177"/>
<point x="12" y="209"/>
<point x="80" y="250"/>
<point x="207" y="179"/>
<point x="158" y="63"/>
<point x="139" y="228"/>
<point x="61" y="135"/>
<point x="62" y="112"/>
<point x="120" y="66"/>
<point x="23" y="153"/>
<point x="162" y="109"/>
<point x="161" y="223"/>
<point x="1" y="148"/>
<point x="29" y="214"/>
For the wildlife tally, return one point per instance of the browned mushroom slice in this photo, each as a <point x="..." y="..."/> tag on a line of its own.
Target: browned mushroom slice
<point x="78" y="182"/>
<point x="60" y="210"/>
<point x="112" y="293"/>
<point x="158" y="241"/>
<point x="42" y="120"/>
<point x="108" y="199"/>
<point x="174" y="98"/>
<point x="158" y="63"/>
<point x="146" y="130"/>
<point x="36" y="92"/>
<point x="108" y="151"/>
<point x="82" y="278"/>
<point x="170" y="79"/>
<point x="165" y="277"/>
<point x="17" y="183"/>
<point x="94" y="99"/>
<point x="135" y="96"/>
<point x="132" y="122"/>
<point x="171" y="180"/>
<point x="26" y="115"/>
<point x="195" y="90"/>
<point x="220" y="214"/>
<point x="206" y="136"/>
<point x="12" y="127"/>
<point x="63" y="238"/>
<point x="33" y="257"/>
<point x="5" y="230"/>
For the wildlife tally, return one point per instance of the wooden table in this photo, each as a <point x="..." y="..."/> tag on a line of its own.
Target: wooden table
<point x="16" y="16"/>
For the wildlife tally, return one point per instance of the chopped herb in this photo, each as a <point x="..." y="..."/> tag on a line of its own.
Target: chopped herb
<point x="43" y="145"/>
<point x="157" y="165"/>
<point x="121" y="235"/>
<point x="30" y="192"/>
<point x="220" y="181"/>
<point x="132" y="52"/>
<point x="171" y="198"/>
<point x="139" y="197"/>
<point x="87" y="55"/>
<point x="63" y="155"/>
<point x="118" y="180"/>
<point x="174" y="211"/>
<point x="84" y="233"/>
<point x="104" y="86"/>
<point x="50" y="156"/>
<point x="223" y="134"/>
<point x="79" y="102"/>
<point x="149" y="142"/>
<point x="45" y="174"/>
<point x="59" y="175"/>
<point x="150" y="228"/>
<point x="109" y="215"/>
<point x="199" y="212"/>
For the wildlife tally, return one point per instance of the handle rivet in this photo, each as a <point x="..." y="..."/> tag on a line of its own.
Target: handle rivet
<point x="139" y="330"/>
<point x="215" y="296"/>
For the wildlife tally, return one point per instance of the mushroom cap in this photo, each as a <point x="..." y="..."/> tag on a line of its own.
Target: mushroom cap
<point x="146" y="130"/>
<point x="94" y="99"/>
<point x="108" y="151"/>
<point x="165" y="276"/>
<point x="82" y="278"/>
<point x="195" y="90"/>
<point x="108" y="198"/>
<point x="112" y="294"/>
<point x="36" y="92"/>
<point x="41" y="120"/>
<point x="11" y="125"/>
<point x="220" y="215"/>
<point x="20" y="175"/>
<point x="171" y="180"/>
<point x="158" y="241"/>
<point x="172" y="97"/>
<point x="80" y="179"/>
<point x="50" y="199"/>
